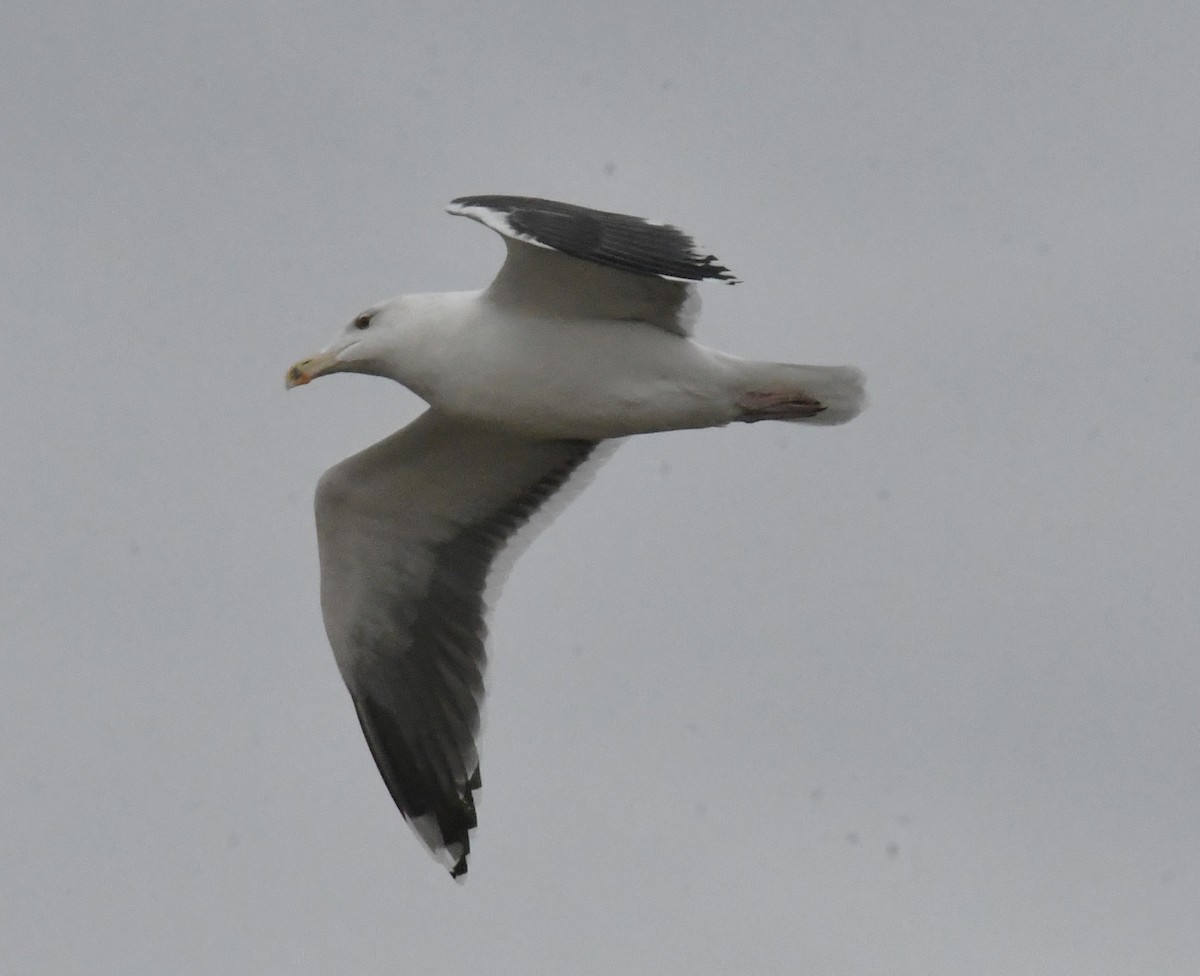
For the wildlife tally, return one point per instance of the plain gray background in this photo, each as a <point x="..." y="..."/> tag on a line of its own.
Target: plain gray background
<point x="914" y="696"/>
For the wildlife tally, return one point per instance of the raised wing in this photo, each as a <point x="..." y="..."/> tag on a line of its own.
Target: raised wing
<point x="575" y="261"/>
<point x="407" y="531"/>
<point x="615" y="240"/>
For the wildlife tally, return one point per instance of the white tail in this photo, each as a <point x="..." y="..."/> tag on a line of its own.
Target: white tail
<point x="802" y="394"/>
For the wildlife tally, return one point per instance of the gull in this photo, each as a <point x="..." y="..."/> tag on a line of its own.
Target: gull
<point x="583" y="337"/>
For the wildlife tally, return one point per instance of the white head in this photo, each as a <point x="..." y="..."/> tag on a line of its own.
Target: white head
<point x="368" y="344"/>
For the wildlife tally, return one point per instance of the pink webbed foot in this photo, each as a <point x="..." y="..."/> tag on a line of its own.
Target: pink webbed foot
<point x="778" y="406"/>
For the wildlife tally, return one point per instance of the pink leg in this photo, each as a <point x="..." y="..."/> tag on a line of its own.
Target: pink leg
<point x="778" y="406"/>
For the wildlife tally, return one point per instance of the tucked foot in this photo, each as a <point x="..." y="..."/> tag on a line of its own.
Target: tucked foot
<point x="778" y="406"/>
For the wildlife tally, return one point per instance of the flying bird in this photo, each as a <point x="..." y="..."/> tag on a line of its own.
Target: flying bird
<point x="583" y="336"/>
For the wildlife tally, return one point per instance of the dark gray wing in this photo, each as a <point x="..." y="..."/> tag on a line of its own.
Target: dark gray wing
<point x="569" y="261"/>
<point x="408" y="531"/>
<point x="614" y="240"/>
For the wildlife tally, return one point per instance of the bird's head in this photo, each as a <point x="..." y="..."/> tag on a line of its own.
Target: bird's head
<point x="365" y="345"/>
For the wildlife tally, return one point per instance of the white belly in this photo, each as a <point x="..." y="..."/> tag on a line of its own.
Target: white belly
<point x="585" y="379"/>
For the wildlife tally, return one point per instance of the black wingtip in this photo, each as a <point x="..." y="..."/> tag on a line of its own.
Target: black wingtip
<point x="718" y="272"/>
<point x="442" y="815"/>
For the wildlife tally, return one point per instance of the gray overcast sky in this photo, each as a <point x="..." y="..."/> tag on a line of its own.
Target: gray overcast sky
<point x="920" y="695"/>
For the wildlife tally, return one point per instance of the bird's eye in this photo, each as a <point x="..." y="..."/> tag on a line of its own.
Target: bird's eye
<point x="362" y="321"/>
